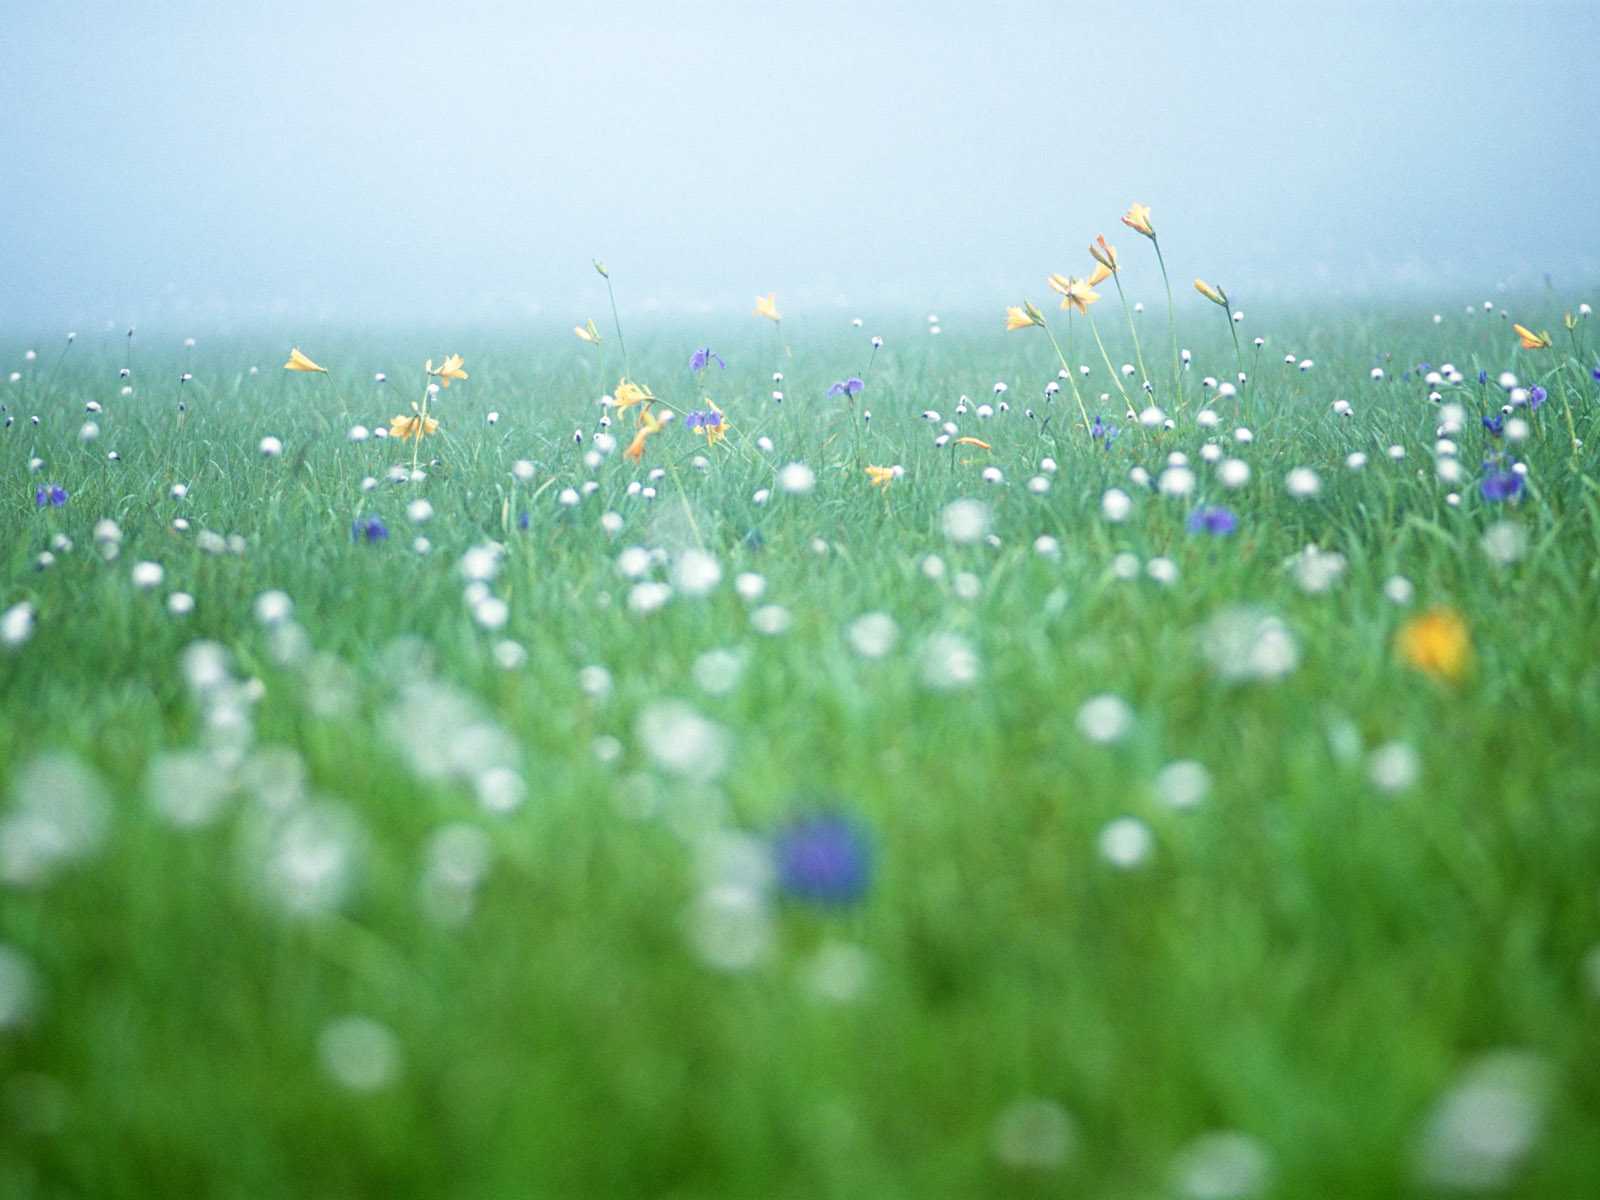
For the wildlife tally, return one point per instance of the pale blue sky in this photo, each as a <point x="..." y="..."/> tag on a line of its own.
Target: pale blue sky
<point x="220" y="163"/>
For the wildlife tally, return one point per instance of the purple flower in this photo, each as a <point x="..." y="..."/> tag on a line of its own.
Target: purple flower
<point x="1496" y="424"/>
<point x="847" y="387"/>
<point x="1595" y="374"/>
<point x="1100" y="429"/>
<point x="1216" y="520"/>
<point x="824" y="857"/>
<point x="369" y="530"/>
<point x="1498" y="486"/>
<point x="1483" y="376"/>
<point x="699" y="419"/>
<point x="1536" y="396"/>
<point x="52" y="494"/>
<point x="703" y="358"/>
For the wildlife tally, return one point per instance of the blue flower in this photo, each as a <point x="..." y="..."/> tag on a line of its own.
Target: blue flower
<point x="1536" y="396"/>
<point x="704" y="357"/>
<point x="369" y="530"/>
<point x="1595" y="374"/>
<point x="1216" y="520"/>
<point x="700" y="419"/>
<point x="1498" y="486"/>
<point x="846" y="387"/>
<point x="1496" y="424"/>
<point x="1100" y="429"/>
<point x="823" y="857"/>
<point x="52" y="494"/>
<point x="1483" y="376"/>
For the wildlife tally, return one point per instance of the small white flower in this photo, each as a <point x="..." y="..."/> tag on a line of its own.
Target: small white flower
<point x="1397" y="590"/>
<point x="270" y="447"/>
<point x="1233" y="473"/>
<point x="1355" y="460"/>
<point x="180" y="604"/>
<point x="797" y="478"/>
<point x="1303" y="483"/>
<point x="1115" y="505"/>
<point x="1176" y="481"/>
<point x="522" y="470"/>
<point x="147" y="575"/>
<point x="419" y="511"/>
<point x="273" y="608"/>
<point x="359" y="433"/>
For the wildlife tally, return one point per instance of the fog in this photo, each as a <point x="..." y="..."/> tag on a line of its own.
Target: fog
<point x="361" y="162"/>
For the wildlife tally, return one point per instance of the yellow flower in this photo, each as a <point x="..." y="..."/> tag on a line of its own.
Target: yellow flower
<point x="587" y="332"/>
<point x="881" y="477"/>
<point x="406" y="428"/>
<point x="628" y="394"/>
<point x="1075" y="293"/>
<point x="448" y="370"/>
<point x="299" y="362"/>
<point x="1530" y="339"/>
<point x="767" y="306"/>
<point x="1104" y="254"/>
<point x="1099" y="275"/>
<point x="1437" y="643"/>
<point x="1021" y="316"/>
<point x="1137" y="219"/>
<point x="972" y="441"/>
<point x="649" y="425"/>
<point x="1215" y="295"/>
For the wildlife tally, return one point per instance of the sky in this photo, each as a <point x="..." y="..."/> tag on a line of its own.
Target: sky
<point x="364" y="161"/>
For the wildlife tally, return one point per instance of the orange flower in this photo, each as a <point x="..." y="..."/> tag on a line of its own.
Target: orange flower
<point x="628" y="394"/>
<point x="1104" y="254"/>
<point x="972" y="441"/>
<point x="1138" y="220"/>
<point x="1214" y="294"/>
<point x="1437" y="643"/>
<point x="1530" y="339"/>
<point x="299" y="362"/>
<point x="412" y="427"/>
<point x="649" y="425"/>
<point x="448" y="370"/>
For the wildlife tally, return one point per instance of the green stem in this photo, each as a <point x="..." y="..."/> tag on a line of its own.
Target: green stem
<point x="1071" y="378"/>
<point x="1138" y="352"/>
<point x="1115" y="378"/>
<point x="617" y="322"/>
<point x="1172" y="322"/>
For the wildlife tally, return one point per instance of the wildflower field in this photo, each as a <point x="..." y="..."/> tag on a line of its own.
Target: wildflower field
<point x="1091" y="752"/>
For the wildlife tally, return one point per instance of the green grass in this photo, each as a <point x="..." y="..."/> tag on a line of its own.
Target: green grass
<point x="1303" y="958"/>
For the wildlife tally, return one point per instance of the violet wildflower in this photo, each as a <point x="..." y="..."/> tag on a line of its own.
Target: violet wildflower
<point x="369" y="530"/>
<point x="1215" y="520"/>
<point x="703" y="358"/>
<point x="1536" y="396"/>
<point x="1495" y="424"/>
<point x="699" y="419"/>
<point x="824" y="857"/>
<point x="1483" y="376"/>
<point x="1101" y="430"/>
<point x="1498" y="486"/>
<point x="847" y="387"/>
<point x="52" y="494"/>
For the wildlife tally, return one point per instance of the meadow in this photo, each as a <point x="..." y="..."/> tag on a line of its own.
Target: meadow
<point x="1188" y="793"/>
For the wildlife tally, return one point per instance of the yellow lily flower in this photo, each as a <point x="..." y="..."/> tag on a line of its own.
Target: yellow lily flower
<point x="448" y="370"/>
<point x="1099" y="275"/>
<point x="1530" y="339"/>
<point x="1078" y="293"/>
<point x="407" y="428"/>
<point x="299" y="362"/>
<point x="1215" y="295"/>
<point x="881" y="477"/>
<point x="1104" y="253"/>
<point x="649" y="425"/>
<point x="587" y="332"/>
<point x="767" y="306"/>
<point x="972" y="441"/>
<point x="1137" y="219"/>
<point x="1020" y="317"/>
<point x="1437" y="643"/>
<point x="628" y="394"/>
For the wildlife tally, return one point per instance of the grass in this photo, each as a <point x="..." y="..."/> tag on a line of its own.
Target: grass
<point x="610" y="1006"/>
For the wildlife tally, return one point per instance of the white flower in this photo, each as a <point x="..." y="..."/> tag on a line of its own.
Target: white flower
<point x="273" y="608"/>
<point x="1303" y="483"/>
<point x="1126" y="842"/>
<point x="1115" y="505"/>
<point x="419" y="511"/>
<point x="797" y="479"/>
<point x="16" y="624"/>
<point x="1176" y="481"/>
<point x="270" y="447"/>
<point x="1105" y="718"/>
<point x="147" y="575"/>
<point x="1233" y="473"/>
<point x="965" y="521"/>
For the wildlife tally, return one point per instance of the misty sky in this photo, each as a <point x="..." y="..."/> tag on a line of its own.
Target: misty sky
<point x="384" y="160"/>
